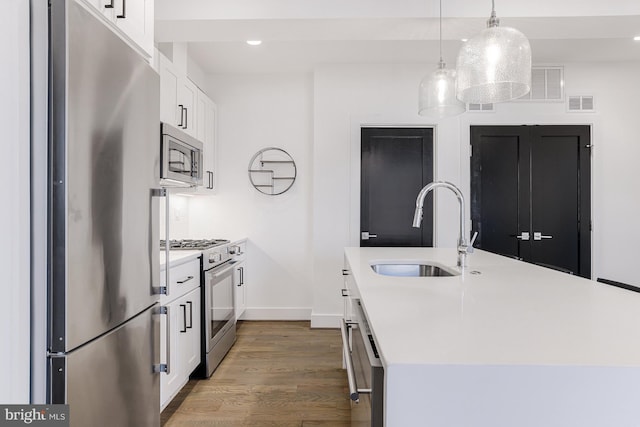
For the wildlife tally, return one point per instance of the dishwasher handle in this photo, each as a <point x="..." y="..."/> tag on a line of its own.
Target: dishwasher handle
<point x="351" y="376"/>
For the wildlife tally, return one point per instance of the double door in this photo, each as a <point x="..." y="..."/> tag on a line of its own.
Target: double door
<point x="530" y="194"/>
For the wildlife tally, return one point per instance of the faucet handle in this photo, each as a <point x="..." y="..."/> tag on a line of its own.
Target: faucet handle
<point x="473" y="239"/>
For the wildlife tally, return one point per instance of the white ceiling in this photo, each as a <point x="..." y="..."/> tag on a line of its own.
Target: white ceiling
<point x="299" y="35"/>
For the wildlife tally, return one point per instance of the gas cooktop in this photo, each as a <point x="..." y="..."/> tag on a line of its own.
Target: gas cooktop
<point x="192" y="244"/>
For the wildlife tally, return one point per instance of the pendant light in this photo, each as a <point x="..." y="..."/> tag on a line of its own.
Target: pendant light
<point x="437" y="94"/>
<point x="495" y="65"/>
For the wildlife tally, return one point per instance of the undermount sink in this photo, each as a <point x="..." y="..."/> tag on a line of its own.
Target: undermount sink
<point x="412" y="270"/>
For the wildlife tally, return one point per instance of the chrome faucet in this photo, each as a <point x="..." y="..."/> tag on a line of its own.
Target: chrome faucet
<point x="464" y="248"/>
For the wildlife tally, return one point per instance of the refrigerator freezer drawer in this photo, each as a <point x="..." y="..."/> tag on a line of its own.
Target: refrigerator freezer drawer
<point x="111" y="381"/>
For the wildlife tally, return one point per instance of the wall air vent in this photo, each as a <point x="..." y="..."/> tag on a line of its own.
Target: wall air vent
<point x="580" y="104"/>
<point x="547" y="84"/>
<point x="480" y="108"/>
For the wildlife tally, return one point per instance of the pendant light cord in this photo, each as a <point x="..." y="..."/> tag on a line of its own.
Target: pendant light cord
<point x="493" y="21"/>
<point x="441" y="31"/>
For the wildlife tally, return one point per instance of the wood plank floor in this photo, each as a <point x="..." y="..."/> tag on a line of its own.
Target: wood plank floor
<point x="282" y="374"/>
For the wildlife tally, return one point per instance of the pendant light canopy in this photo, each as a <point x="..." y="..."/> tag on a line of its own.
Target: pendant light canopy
<point x="437" y="94"/>
<point x="494" y="66"/>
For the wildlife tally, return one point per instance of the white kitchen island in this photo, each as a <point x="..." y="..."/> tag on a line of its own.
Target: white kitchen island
<point x="516" y="345"/>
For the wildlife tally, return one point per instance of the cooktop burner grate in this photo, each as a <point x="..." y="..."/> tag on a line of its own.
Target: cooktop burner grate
<point x="193" y="244"/>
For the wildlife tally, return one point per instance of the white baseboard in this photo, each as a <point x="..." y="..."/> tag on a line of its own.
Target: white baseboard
<point x="325" y="320"/>
<point x="276" y="313"/>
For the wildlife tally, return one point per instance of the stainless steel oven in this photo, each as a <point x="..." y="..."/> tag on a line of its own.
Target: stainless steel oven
<point x="218" y="304"/>
<point x="364" y="370"/>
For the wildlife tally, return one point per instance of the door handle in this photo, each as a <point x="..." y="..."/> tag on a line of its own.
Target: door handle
<point x="161" y="192"/>
<point x="365" y="235"/>
<point x="348" y="361"/>
<point x="185" y="280"/>
<point x="523" y="236"/>
<point x="537" y="235"/>
<point x="186" y="118"/>
<point x="181" y="115"/>
<point x="165" y="367"/>
<point x="124" y="6"/>
<point x="184" y="318"/>
<point x="109" y="6"/>
<point x="190" y="315"/>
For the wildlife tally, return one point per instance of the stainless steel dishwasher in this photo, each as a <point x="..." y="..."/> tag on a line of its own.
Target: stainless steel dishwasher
<point x="364" y="370"/>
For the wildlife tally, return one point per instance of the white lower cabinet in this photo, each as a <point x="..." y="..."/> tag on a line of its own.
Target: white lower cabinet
<point x="180" y="331"/>
<point x="238" y="251"/>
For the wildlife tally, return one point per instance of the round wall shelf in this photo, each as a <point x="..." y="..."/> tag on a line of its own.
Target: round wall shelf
<point x="272" y="171"/>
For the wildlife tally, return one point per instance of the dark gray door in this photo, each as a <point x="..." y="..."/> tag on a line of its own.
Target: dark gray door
<point x="395" y="164"/>
<point x="530" y="194"/>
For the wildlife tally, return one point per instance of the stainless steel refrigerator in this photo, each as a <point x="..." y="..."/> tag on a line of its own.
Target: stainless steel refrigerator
<point x="103" y="243"/>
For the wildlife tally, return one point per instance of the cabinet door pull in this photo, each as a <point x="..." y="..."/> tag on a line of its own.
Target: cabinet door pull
<point x="190" y="315"/>
<point x="242" y="275"/>
<point x="185" y="280"/>
<point x="109" y="6"/>
<point x="181" y="115"/>
<point x="184" y="318"/>
<point x="186" y="118"/>
<point x="124" y="12"/>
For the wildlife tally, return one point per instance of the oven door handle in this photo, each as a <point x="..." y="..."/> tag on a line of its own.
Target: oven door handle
<point x="224" y="271"/>
<point x="351" y="376"/>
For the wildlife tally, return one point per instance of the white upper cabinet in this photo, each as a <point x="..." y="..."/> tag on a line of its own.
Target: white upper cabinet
<point x="178" y="98"/>
<point x="132" y="19"/>
<point x="206" y="132"/>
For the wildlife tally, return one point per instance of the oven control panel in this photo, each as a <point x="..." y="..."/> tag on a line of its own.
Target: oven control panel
<point x="216" y="256"/>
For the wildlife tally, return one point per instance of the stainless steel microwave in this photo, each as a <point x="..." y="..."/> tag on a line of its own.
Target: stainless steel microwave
<point x="180" y="158"/>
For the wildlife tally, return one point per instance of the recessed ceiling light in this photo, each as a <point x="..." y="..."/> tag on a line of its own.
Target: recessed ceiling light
<point x="637" y="38"/>
<point x="254" y="42"/>
<point x="464" y="40"/>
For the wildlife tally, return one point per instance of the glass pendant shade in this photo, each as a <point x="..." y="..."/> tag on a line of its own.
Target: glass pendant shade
<point x="494" y="66"/>
<point x="437" y="95"/>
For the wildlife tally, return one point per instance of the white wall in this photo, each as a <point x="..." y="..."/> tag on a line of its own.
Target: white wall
<point x="346" y="97"/>
<point x="254" y="112"/>
<point x="14" y="216"/>
<point x="298" y="239"/>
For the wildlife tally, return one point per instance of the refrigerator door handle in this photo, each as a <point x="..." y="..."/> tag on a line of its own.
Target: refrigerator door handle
<point x="155" y="223"/>
<point x="165" y="367"/>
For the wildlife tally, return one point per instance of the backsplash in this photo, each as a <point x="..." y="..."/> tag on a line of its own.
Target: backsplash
<point x="178" y="217"/>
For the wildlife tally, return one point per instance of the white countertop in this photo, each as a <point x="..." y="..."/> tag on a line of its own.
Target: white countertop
<point x="522" y="334"/>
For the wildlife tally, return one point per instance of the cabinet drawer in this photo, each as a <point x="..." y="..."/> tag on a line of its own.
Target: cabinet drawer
<point x="182" y="279"/>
